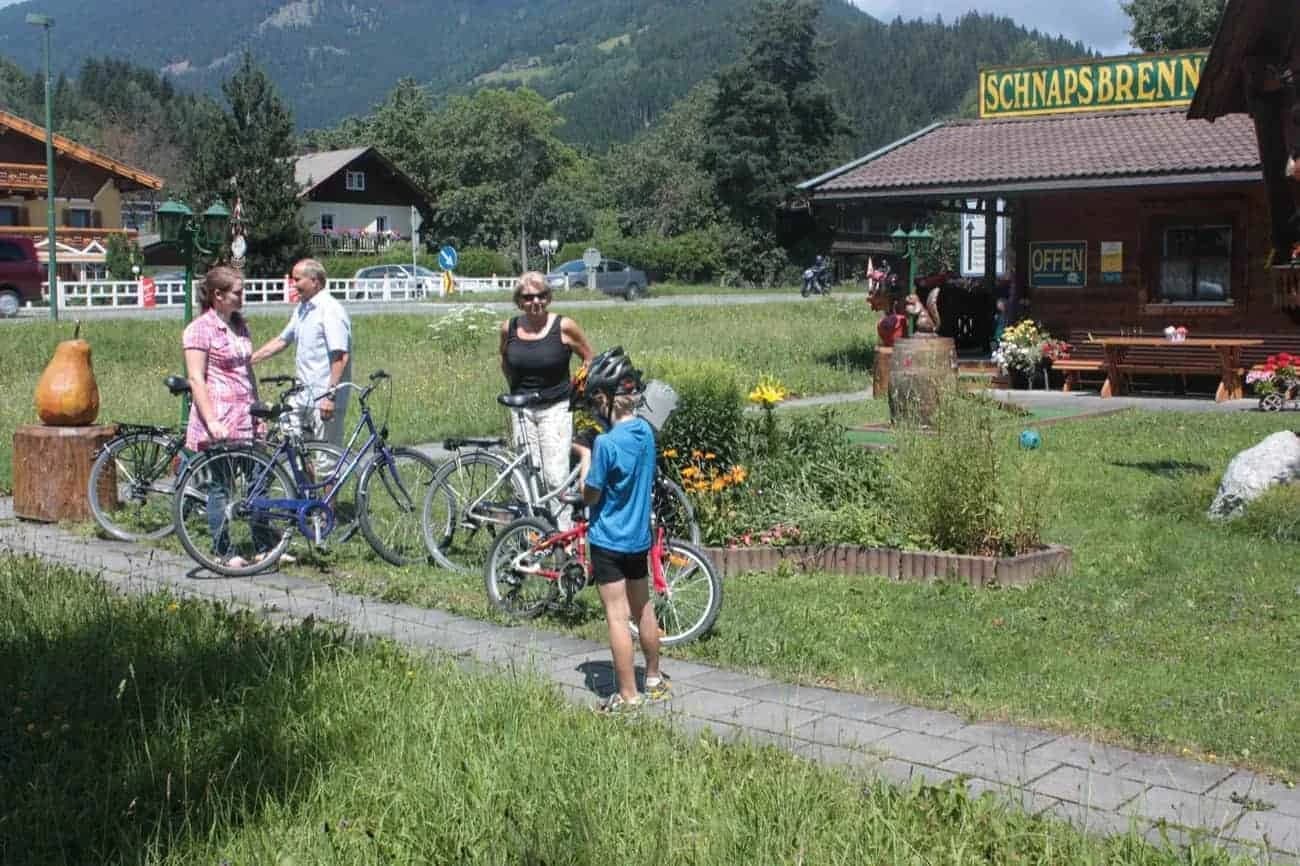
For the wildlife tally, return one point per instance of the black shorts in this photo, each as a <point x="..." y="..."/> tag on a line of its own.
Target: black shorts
<point x="610" y="566"/>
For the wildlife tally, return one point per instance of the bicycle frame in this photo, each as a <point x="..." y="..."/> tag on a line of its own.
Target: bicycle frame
<point x="577" y="535"/>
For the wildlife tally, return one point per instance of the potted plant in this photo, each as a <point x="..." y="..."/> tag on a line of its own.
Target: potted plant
<point x="1024" y="349"/>
<point x="1276" y="381"/>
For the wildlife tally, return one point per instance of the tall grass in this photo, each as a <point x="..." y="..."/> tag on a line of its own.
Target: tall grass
<point x="815" y="347"/>
<point x="152" y="731"/>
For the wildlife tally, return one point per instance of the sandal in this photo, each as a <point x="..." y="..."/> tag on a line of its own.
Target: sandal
<point x="617" y="705"/>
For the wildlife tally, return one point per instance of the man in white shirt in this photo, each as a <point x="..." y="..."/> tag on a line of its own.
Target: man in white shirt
<point x="321" y="331"/>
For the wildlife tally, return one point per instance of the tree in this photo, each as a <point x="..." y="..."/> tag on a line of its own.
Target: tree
<point x="119" y="255"/>
<point x="773" y="122"/>
<point x="247" y="153"/>
<point x="495" y="154"/>
<point x="1171" y="25"/>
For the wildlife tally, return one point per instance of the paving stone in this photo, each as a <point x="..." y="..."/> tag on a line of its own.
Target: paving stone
<point x="1272" y="829"/>
<point x="682" y="671"/>
<point x="999" y="765"/>
<point x="906" y="773"/>
<point x="1002" y="736"/>
<point x="851" y="760"/>
<point x="709" y="704"/>
<point x="275" y="580"/>
<point x="555" y="645"/>
<point x="694" y="728"/>
<point x="1015" y="797"/>
<point x="771" y="716"/>
<point x="1085" y="754"/>
<point x="513" y="657"/>
<point x="923" y="721"/>
<point x="1181" y="775"/>
<point x="1088" y="787"/>
<point x="1183" y="808"/>
<point x="838" y="731"/>
<point x="730" y="682"/>
<point x="1248" y="786"/>
<point x="1097" y="822"/>
<point x="919" y="748"/>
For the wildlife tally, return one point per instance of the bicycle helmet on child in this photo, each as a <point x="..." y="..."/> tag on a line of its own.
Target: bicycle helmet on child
<point x="612" y="372"/>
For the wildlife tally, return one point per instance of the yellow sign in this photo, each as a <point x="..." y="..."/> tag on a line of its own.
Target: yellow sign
<point x="1141" y="81"/>
<point x="448" y="283"/>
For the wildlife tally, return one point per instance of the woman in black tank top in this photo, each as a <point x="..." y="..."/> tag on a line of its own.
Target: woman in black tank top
<point x="536" y="349"/>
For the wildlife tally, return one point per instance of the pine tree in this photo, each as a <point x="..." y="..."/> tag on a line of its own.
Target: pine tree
<point x="247" y="153"/>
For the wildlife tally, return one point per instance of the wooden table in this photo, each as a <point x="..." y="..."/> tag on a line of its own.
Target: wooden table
<point x="1228" y="350"/>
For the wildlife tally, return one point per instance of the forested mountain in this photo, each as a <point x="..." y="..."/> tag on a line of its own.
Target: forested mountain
<point x="611" y="67"/>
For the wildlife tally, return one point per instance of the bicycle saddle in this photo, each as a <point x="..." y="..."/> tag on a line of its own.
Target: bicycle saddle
<point x="456" y="443"/>
<point x="177" y="385"/>
<point x="520" y="401"/>
<point x="266" y="411"/>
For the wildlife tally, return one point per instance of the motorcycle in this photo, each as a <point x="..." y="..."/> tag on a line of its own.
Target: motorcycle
<point x="816" y="280"/>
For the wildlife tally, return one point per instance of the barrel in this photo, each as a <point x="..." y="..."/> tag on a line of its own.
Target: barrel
<point x="921" y="369"/>
<point x="880" y="371"/>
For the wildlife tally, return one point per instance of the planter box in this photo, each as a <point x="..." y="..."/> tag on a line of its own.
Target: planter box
<point x="912" y="565"/>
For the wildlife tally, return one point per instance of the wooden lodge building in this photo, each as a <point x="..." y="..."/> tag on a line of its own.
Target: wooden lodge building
<point x="87" y="196"/>
<point x="1125" y="215"/>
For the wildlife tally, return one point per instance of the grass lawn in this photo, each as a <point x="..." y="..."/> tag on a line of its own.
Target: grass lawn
<point x="815" y="347"/>
<point x="1173" y="634"/>
<point x="149" y="731"/>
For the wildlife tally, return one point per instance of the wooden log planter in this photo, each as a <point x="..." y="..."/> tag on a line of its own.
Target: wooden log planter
<point x="921" y="566"/>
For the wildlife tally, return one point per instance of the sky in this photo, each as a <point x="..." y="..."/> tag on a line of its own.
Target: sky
<point x="1099" y="24"/>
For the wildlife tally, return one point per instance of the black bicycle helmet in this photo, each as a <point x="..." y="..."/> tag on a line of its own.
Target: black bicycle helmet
<point x="612" y="372"/>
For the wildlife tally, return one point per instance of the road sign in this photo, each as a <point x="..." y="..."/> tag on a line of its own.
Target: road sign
<point x="416" y="221"/>
<point x="447" y="258"/>
<point x="448" y="283"/>
<point x="591" y="258"/>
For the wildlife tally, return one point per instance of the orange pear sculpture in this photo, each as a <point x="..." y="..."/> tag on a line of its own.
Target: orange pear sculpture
<point x="66" y="395"/>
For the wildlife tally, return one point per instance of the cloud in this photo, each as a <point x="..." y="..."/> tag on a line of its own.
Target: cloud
<point x="1101" y="24"/>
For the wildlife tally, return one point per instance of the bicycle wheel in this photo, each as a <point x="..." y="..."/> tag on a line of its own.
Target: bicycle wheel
<point x="472" y="497"/>
<point x="131" y="485"/>
<point x="319" y="461"/>
<point x="673" y="511"/>
<point x="513" y="583"/>
<point x="694" y="597"/>
<point x="212" y="518"/>
<point x="388" y="504"/>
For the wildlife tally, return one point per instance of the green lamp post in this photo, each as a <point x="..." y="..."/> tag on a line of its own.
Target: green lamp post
<point x="45" y="22"/>
<point x="911" y="244"/>
<point x="192" y="237"/>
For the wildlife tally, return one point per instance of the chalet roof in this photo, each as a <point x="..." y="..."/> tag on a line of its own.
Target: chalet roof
<point x="1066" y="151"/>
<point x="313" y="169"/>
<point x="1250" y="31"/>
<point x="134" y="177"/>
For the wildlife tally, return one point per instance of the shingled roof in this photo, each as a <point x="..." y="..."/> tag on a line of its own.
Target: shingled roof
<point x="1123" y="148"/>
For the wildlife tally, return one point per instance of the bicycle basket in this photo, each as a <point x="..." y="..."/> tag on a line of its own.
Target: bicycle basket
<point x="657" y="403"/>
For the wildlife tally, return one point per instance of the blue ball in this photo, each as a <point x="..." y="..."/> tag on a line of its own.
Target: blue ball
<point x="1029" y="439"/>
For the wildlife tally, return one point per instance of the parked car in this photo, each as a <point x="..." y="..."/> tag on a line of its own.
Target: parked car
<point x="172" y="277"/>
<point x="399" y="274"/>
<point x="21" y="274"/>
<point x="612" y="277"/>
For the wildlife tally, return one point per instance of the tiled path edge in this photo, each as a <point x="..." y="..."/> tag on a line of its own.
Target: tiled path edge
<point x="1098" y="788"/>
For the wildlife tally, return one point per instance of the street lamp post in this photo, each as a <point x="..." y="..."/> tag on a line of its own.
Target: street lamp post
<point x="192" y="236"/>
<point x="548" y="248"/>
<point x="910" y="244"/>
<point x="47" y="23"/>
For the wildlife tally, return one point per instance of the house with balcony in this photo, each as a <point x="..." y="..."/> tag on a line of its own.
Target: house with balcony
<point x="356" y="200"/>
<point x="87" y="196"/>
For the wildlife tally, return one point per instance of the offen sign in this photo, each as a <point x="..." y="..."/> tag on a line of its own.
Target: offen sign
<point x="1058" y="264"/>
<point x="1142" y="81"/>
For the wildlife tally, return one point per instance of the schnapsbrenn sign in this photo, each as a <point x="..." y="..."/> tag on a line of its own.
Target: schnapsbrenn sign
<point x="1141" y="81"/>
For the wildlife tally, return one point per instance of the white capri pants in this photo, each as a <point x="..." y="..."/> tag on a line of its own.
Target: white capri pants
<point x="547" y="433"/>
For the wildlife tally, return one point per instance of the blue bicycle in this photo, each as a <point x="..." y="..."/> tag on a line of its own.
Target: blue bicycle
<point x="255" y="496"/>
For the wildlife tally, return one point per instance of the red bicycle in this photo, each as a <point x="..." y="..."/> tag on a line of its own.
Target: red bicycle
<point x="532" y="568"/>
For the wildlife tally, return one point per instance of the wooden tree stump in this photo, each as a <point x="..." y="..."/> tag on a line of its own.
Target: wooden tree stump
<point x="52" y="471"/>
<point x="880" y="372"/>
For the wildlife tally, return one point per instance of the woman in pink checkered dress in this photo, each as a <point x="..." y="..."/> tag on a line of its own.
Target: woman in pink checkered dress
<point x="217" y="351"/>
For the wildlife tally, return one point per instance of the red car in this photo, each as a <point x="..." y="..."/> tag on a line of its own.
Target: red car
<point x="21" y="274"/>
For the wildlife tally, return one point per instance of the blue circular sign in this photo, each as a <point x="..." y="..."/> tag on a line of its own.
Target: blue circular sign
<point x="447" y="258"/>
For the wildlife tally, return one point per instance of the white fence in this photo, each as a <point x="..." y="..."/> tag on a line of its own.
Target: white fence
<point x="109" y="294"/>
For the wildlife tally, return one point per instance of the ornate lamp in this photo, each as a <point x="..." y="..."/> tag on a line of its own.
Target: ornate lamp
<point x="172" y="217"/>
<point x="216" y="221"/>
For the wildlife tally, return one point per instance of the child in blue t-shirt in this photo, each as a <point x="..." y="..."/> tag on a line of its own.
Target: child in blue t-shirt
<point x="618" y="492"/>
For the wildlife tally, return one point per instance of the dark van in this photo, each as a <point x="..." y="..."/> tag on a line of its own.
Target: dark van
<point x="21" y="274"/>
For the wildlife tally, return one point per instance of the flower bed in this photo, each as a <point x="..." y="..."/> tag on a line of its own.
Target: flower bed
<point x="903" y="565"/>
<point x="1025" y="348"/>
<point x="1279" y="374"/>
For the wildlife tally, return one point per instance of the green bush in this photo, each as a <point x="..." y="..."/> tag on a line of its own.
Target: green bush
<point x="483" y="262"/>
<point x="694" y="256"/>
<point x="709" y="413"/>
<point x="966" y="486"/>
<point x="1274" y="516"/>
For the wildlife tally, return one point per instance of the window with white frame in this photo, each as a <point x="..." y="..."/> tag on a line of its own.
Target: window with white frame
<point x="327" y="222"/>
<point x="355" y="181"/>
<point x="1196" y="263"/>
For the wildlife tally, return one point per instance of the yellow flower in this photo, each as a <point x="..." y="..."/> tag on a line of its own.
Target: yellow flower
<point x="719" y="484"/>
<point x="173" y="607"/>
<point x="710" y="456"/>
<point x="768" y="392"/>
<point x="697" y="454"/>
<point x="690" y="472"/>
<point x="670" y="453"/>
<point x="738" y="474"/>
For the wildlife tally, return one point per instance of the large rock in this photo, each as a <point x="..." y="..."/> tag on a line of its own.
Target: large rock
<point x="1276" y="460"/>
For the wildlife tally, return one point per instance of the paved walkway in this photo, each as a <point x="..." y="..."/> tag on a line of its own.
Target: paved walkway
<point x="1099" y="788"/>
